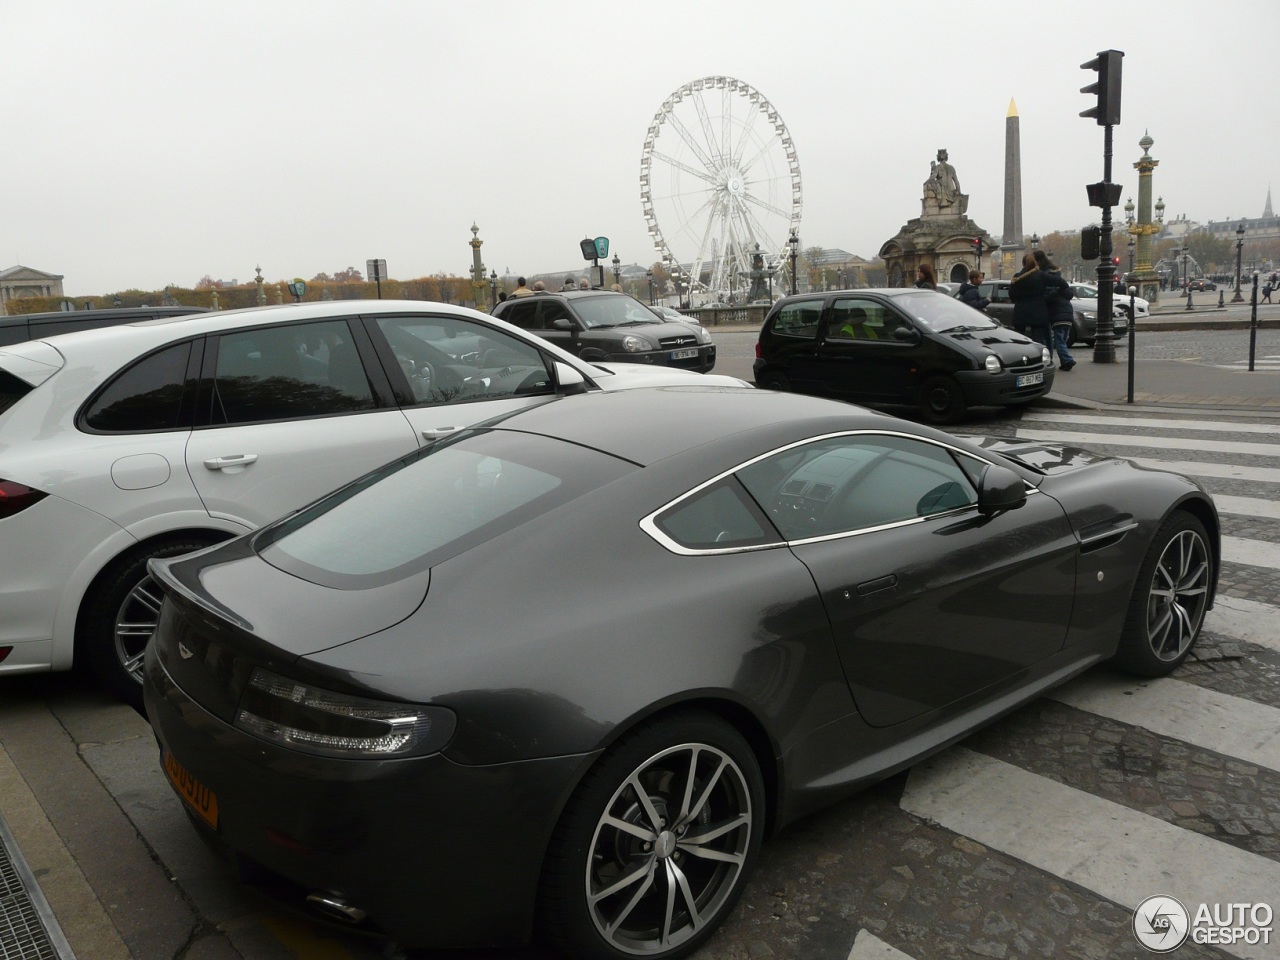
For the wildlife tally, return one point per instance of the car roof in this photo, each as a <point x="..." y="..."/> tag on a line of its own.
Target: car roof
<point x="133" y="339"/>
<point x="705" y="414"/>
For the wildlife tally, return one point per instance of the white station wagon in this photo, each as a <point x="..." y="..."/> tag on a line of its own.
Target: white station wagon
<point x="155" y="439"/>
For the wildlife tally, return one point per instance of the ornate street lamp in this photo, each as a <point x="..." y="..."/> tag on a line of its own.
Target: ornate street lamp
<point x="1133" y="242"/>
<point x="1237" y="298"/>
<point x="649" y="274"/>
<point x="493" y="289"/>
<point x="617" y="270"/>
<point x="1035" y="240"/>
<point x="794" y="243"/>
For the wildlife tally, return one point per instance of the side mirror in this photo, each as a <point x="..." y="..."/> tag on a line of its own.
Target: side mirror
<point x="906" y="334"/>
<point x="564" y="323"/>
<point x="569" y="380"/>
<point x="1000" y="489"/>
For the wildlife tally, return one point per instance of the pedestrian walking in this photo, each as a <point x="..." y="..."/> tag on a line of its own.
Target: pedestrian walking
<point x="971" y="295"/>
<point x="1266" y="292"/>
<point x="926" y="279"/>
<point x="1030" y="311"/>
<point x="1057" y="294"/>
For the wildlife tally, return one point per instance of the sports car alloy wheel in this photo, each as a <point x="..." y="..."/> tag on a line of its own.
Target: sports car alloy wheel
<point x="1170" y="599"/>
<point x="669" y="843"/>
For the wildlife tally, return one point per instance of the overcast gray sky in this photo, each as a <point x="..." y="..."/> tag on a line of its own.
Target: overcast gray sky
<point x="151" y="142"/>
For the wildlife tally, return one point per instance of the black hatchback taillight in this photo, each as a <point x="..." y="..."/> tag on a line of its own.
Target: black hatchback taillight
<point x="16" y="497"/>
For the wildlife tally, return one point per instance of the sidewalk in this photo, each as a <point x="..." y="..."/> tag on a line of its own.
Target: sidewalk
<point x="1174" y="383"/>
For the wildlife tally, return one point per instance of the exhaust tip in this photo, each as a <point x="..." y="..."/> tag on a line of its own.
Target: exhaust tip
<point x="333" y="906"/>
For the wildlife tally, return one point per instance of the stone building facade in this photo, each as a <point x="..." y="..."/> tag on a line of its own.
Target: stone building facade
<point x="19" y="282"/>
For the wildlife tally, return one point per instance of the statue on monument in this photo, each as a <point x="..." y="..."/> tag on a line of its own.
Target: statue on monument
<point x="756" y="276"/>
<point x="942" y="190"/>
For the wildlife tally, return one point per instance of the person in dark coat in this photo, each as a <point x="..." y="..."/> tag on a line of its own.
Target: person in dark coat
<point x="926" y="279"/>
<point x="1057" y="293"/>
<point x="1030" y="310"/>
<point x="970" y="294"/>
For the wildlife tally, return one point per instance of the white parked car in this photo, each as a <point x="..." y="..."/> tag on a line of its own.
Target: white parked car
<point x="1119" y="303"/>
<point x="154" y="439"/>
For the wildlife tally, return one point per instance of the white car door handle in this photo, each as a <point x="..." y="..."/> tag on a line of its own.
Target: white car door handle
<point x="239" y="460"/>
<point x="435" y="433"/>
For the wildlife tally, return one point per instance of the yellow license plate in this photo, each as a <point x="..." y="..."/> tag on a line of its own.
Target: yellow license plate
<point x="201" y="799"/>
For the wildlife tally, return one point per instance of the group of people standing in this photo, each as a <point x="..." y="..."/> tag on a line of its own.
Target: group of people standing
<point x="1042" y="306"/>
<point x="1041" y="302"/>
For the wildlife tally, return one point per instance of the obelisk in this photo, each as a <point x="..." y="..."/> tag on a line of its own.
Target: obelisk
<point x="1011" y="242"/>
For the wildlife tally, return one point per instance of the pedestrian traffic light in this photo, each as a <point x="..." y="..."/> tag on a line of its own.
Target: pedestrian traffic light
<point x="1090" y="239"/>
<point x="1107" y="110"/>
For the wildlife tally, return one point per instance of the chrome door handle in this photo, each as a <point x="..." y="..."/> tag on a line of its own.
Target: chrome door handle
<point x="239" y="460"/>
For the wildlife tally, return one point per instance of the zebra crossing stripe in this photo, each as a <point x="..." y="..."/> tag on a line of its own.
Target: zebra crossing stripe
<point x="1163" y="423"/>
<point x="867" y="946"/>
<point x="1256" y="553"/>
<point x="1118" y="853"/>
<point x="1222" y="471"/>
<point x="1215" y="721"/>
<point x="1248" y="506"/>
<point x="1242" y="447"/>
<point x="1246" y="620"/>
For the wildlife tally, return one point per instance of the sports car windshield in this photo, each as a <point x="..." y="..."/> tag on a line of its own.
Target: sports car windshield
<point x="612" y="311"/>
<point x="943" y="314"/>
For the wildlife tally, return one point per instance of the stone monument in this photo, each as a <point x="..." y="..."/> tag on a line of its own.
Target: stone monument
<point x="943" y="235"/>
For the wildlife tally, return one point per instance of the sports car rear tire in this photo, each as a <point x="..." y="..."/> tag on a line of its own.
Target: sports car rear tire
<point x="654" y="847"/>
<point x="1169" y="599"/>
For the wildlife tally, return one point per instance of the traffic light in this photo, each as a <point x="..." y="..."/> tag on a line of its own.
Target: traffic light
<point x="1107" y="64"/>
<point x="1090" y="239"/>
<point x="977" y="244"/>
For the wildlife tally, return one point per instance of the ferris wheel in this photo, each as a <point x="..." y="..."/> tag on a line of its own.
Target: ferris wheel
<point x="719" y="180"/>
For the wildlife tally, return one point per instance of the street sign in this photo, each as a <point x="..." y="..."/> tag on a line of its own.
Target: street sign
<point x="588" y="247"/>
<point x="602" y="247"/>
<point x="375" y="269"/>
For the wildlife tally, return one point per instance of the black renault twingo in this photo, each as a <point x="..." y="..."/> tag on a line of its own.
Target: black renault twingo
<point x="898" y="346"/>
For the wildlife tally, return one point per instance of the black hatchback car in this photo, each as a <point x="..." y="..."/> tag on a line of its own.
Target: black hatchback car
<point x="900" y="346"/>
<point x="603" y="325"/>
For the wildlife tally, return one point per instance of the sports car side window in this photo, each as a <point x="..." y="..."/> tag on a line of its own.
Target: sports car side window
<point x="720" y="517"/>
<point x="850" y="483"/>
<point x="799" y="319"/>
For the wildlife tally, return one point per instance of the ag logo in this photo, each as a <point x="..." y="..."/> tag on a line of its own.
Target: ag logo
<point x="1161" y="924"/>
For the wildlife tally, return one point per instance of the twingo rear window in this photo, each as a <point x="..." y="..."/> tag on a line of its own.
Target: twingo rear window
<point x="11" y="390"/>
<point x="420" y="510"/>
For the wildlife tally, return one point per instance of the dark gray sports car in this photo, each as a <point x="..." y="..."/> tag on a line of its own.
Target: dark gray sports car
<point x="559" y="675"/>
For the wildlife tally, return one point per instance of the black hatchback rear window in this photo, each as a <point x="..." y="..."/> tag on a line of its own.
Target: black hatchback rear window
<point x="11" y="390"/>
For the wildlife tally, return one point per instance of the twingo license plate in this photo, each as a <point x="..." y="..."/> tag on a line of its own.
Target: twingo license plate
<point x="200" y="798"/>
<point x="1029" y="379"/>
<point x="683" y="354"/>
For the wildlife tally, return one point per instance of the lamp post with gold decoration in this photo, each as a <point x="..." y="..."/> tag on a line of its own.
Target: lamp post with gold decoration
<point x="1144" y="227"/>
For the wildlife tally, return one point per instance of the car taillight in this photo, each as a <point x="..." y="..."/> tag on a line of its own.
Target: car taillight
<point x="759" y="352"/>
<point x="15" y="497"/>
